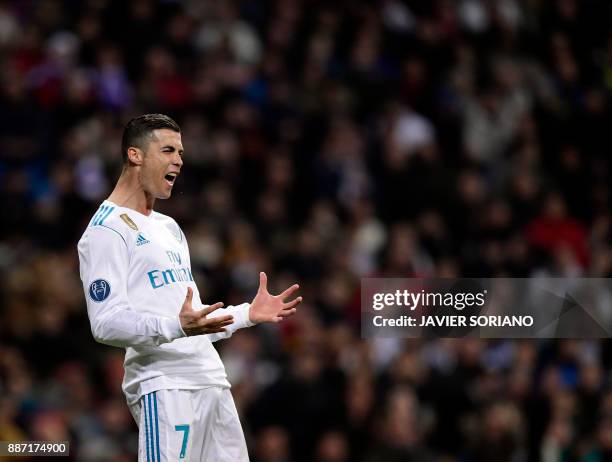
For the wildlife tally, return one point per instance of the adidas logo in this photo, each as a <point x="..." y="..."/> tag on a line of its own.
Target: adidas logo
<point x="141" y="240"/>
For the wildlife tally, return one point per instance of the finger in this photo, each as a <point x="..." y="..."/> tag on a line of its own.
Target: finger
<point x="292" y="303"/>
<point x="213" y="331"/>
<point x="287" y="293"/>
<point x="263" y="281"/>
<point x="214" y="321"/>
<point x="217" y="325"/>
<point x="221" y="323"/>
<point x="206" y="311"/>
<point x="187" y="303"/>
<point x="208" y="327"/>
<point x="286" y="313"/>
<point x="272" y="318"/>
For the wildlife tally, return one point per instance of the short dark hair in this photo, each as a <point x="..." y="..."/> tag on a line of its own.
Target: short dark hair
<point x="138" y="131"/>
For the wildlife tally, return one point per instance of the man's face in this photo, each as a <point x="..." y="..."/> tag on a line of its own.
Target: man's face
<point x="162" y="163"/>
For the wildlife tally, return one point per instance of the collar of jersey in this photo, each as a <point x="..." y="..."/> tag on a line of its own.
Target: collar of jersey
<point x="130" y="209"/>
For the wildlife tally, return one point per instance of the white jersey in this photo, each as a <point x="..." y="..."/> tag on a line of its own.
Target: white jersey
<point x="135" y="271"/>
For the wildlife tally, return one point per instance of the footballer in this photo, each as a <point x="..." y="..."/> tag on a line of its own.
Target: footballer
<point x="141" y="296"/>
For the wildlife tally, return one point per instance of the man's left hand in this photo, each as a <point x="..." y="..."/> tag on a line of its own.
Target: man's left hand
<point x="266" y="307"/>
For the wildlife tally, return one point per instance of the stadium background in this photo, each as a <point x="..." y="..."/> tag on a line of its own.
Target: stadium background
<point x="325" y="142"/>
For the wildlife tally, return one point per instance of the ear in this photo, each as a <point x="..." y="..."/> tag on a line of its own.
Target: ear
<point x="135" y="156"/>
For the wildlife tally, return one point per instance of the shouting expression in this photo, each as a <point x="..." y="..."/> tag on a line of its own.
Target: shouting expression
<point x="161" y="163"/>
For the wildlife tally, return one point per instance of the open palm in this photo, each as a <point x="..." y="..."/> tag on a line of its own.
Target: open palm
<point x="266" y="307"/>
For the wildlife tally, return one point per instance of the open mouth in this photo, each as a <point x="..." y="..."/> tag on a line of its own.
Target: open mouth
<point x="170" y="178"/>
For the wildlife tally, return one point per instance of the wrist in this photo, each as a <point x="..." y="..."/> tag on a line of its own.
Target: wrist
<point x="250" y="320"/>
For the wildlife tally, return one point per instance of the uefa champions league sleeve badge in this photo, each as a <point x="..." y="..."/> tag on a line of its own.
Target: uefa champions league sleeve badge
<point x="99" y="290"/>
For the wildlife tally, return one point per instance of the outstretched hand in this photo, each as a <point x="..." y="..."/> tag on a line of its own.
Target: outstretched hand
<point x="196" y="322"/>
<point x="266" y="307"/>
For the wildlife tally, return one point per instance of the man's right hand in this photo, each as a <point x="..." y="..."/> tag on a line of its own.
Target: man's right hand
<point x="196" y="323"/>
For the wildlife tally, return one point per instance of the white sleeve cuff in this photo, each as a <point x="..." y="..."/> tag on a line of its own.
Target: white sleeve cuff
<point x="241" y="318"/>
<point x="171" y="328"/>
<point x="248" y="322"/>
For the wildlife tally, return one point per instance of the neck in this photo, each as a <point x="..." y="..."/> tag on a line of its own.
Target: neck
<point x="129" y="193"/>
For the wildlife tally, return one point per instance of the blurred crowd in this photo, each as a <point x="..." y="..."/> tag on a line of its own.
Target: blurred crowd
<point x="325" y="142"/>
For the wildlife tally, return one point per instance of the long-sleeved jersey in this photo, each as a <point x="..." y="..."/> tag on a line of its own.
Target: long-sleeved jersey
<point x="135" y="271"/>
